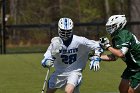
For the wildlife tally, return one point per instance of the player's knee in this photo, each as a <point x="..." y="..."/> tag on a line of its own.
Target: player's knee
<point x="123" y="90"/>
<point x="131" y="90"/>
<point x="68" y="91"/>
<point x="69" y="88"/>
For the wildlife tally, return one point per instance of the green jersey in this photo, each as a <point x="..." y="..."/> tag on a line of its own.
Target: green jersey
<point x="124" y="38"/>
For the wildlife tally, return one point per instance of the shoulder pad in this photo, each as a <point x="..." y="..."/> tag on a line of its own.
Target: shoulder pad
<point x="56" y="39"/>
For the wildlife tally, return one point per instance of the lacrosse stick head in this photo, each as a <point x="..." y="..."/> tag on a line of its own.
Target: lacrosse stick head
<point x="56" y="45"/>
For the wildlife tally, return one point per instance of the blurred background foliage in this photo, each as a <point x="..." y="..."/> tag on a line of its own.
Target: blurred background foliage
<point x="48" y="11"/>
<point x="30" y="12"/>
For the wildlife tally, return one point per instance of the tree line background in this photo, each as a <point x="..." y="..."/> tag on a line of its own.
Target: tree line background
<point x="19" y="12"/>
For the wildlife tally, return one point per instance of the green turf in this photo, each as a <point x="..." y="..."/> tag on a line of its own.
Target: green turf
<point x="22" y="73"/>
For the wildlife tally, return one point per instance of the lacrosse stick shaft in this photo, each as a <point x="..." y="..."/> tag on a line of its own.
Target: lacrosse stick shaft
<point x="45" y="81"/>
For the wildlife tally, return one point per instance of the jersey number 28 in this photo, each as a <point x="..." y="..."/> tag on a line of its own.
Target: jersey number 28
<point x="69" y="59"/>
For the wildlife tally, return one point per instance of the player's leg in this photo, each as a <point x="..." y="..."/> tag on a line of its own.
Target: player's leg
<point x="51" y="87"/>
<point x="135" y="83"/>
<point x="69" y="88"/>
<point x="73" y="82"/>
<point x="124" y="86"/>
<point x="130" y="90"/>
<point x="134" y="90"/>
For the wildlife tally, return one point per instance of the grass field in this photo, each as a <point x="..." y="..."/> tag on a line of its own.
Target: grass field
<point x="22" y="73"/>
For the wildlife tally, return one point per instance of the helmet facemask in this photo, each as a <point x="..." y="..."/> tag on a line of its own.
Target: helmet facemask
<point x="111" y="28"/>
<point x="64" y="34"/>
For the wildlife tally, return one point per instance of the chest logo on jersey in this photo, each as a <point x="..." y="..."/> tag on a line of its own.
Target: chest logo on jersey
<point x="64" y="51"/>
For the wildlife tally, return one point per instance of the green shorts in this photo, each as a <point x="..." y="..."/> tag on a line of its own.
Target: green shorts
<point x="133" y="76"/>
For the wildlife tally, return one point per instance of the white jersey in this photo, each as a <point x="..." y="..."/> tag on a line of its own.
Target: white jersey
<point x="75" y="56"/>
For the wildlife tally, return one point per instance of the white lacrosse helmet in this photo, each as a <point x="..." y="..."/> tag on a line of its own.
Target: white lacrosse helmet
<point x="115" y="22"/>
<point x="65" y="27"/>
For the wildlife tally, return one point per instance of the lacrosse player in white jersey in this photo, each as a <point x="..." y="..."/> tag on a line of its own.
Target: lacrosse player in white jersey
<point x="69" y="55"/>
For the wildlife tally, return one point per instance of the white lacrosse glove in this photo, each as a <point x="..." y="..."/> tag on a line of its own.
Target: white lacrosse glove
<point x="98" y="51"/>
<point x="104" y="42"/>
<point x="47" y="62"/>
<point x="56" y="45"/>
<point x="94" y="63"/>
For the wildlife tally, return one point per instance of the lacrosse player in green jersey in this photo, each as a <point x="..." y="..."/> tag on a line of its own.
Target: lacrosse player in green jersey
<point x="125" y="45"/>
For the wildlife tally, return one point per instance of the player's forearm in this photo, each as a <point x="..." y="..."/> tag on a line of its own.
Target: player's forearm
<point x="110" y="57"/>
<point x="116" y="52"/>
<point x="105" y="57"/>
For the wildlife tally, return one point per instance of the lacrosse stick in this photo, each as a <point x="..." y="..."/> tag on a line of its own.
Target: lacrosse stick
<point x="45" y="81"/>
<point x="56" y="46"/>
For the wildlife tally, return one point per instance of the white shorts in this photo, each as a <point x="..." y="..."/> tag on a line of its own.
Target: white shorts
<point x="58" y="80"/>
